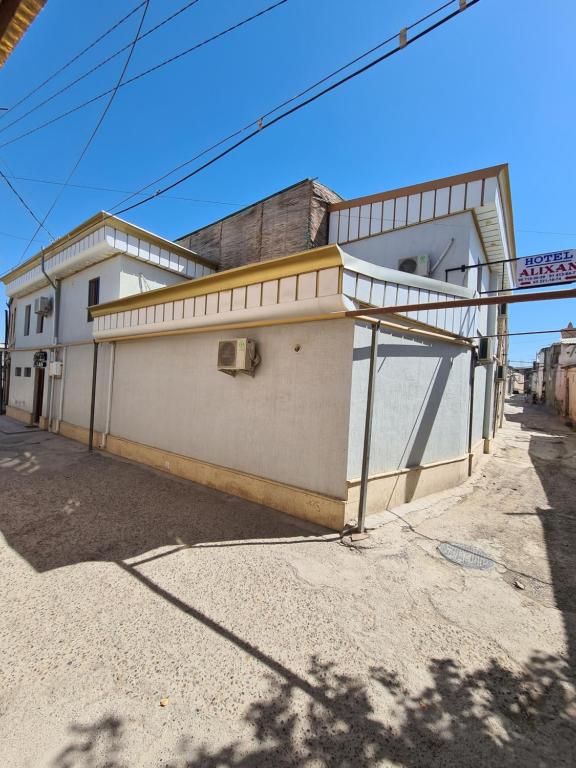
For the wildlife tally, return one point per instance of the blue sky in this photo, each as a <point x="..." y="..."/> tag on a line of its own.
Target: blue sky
<point x="495" y="85"/>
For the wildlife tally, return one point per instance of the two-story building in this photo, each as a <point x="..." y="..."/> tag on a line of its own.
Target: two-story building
<point x="291" y="434"/>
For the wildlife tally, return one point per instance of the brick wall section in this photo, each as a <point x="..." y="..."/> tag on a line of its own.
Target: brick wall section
<point x="290" y="221"/>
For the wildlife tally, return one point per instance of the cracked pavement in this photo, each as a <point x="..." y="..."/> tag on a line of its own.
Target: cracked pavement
<point x="274" y="642"/>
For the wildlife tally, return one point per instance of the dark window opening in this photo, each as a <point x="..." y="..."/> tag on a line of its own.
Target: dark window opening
<point x="39" y="323"/>
<point x="27" y="372"/>
<point x="27" y="311"/>
<point x="18" y="371"/>
<point x="93" y="295"/>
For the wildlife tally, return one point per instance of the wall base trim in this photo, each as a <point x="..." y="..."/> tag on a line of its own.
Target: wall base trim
<point x="385" y="490"/>
<point x="307" y="505"/>
<point x="19" y="414"/>
<point x="400" y="486"/>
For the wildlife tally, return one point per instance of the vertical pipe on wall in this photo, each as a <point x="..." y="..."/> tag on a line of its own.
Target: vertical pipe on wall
<point x="490" y="369"/>
<point x="62" y="383"/>
<point x="471" y="415"/>
<point x="368" y="428"/>
<point x="93" y="397"/>
<point x="109" y="397"/>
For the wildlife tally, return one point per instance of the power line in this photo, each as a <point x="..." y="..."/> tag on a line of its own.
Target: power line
<point x="99" y="65"/>
<point x="121" y="191"/>
<point x="26" y="206"/>
<point x="74" y="58"/>
<point x="263" y="126"/>
<point x="95" y="129"/>
<point x="146" y="72"/>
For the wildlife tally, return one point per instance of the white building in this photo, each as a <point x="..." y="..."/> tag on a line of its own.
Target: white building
<point x="292" y="435"/>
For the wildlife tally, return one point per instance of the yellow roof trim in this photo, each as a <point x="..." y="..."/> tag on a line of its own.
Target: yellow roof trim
<point x="15" y="18"/>
<point x="95" y="222"/>
<point x="262" y="271"/>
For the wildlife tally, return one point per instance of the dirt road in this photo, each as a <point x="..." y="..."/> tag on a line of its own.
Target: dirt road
<point x="273" y="643"/>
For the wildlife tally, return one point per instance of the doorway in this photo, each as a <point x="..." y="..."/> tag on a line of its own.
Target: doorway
<point x="38" y="394"/>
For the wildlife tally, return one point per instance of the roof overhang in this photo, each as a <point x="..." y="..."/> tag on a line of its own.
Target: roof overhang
<point x="15" y="18"/>
<point x="98" y="238"/>
<point x="318" y="284"/>
<point x="485" y="193"/>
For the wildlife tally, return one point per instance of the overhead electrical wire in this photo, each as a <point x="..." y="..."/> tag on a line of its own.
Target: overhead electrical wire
<point x="284" y="103"/>
<point x="26" y="206"/>
<point x="94" y="130"/>
<point x="146" y="72"/>
<point x="73" y="59"/>
<point x="98" y="66"/>
<point x="262" y="126"/>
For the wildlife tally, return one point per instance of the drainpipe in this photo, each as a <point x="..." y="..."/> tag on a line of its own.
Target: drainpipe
<point x="109" y="400"/>
<point x="93" y="397"/>
<point x="55" y="330"/>
<point x="471" y="415"/>
<point x="490" y="369"/>
<point x="361" y="528"/>
<point x="442" y="256"/>
<point x="62" y="382"/>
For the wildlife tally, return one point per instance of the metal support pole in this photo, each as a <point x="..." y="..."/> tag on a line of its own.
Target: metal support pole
<point x="93" y="398"/>
<point x="471" y="417"/>
<point x="368" y="429"/>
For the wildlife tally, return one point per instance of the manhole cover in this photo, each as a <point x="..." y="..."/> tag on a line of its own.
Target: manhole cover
<point x="466" y="556"/>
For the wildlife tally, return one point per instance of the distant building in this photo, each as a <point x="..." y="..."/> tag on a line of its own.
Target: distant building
<point x="555" y="374"/>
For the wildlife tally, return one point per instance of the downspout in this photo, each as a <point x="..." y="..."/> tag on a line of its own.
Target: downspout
<point x="93" y="397"/>
<point x="442" y="256"/>
<point x="62" y="383"/>
<point x="471" y="415"/>
<point x="109" y="400"/>
<point x="55" y="334"/>
<point x="361" y="527"/>
<point x="490" y="369"/>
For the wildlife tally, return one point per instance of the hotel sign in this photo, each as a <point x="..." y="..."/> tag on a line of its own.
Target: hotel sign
<point x="546" y="268"/>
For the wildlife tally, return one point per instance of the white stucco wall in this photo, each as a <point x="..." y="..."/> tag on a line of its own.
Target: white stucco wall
<point x="430" y="238"/>
<point x="78" y="386"/>
<point x="421" y="404"/>
<point x="21" y="387"/>
<point x="74" y="325"/>
<point x="137" y="276"/>
<point x="289" y="423"/>
<point x="34" y="340"/>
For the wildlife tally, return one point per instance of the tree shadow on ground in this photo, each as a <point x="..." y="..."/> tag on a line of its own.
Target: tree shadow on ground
<point x="552" y="450"/>
<point x="493" y="716"/>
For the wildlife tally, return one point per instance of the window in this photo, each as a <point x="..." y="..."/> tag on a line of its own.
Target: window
<point x="18" y="372"/>
<point x="93" y="295"/>
<point x="27" y="310"/>
<point x="27" y="372"/>
<point x="39" y="323"/>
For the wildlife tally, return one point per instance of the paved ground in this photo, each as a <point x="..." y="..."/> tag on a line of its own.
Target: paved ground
<point x="274" y="643"/>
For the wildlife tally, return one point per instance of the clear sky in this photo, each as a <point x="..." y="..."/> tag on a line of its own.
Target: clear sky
<point x="496" y="85"/>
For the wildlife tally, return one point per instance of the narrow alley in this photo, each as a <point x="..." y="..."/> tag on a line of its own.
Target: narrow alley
<point x="278" y="642"/>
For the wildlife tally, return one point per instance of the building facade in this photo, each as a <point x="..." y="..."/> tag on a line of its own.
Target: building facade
<point x="291" y="436"/>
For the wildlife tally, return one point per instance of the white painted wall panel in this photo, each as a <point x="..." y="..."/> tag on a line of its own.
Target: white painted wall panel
<point x="289" y="423"/>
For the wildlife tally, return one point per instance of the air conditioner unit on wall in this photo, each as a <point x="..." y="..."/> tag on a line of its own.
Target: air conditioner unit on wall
<point x="43" y="305"/>
<point x="415" y="265"/>
<point x="237" y="356"/>
<point x="485" y="354"/>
